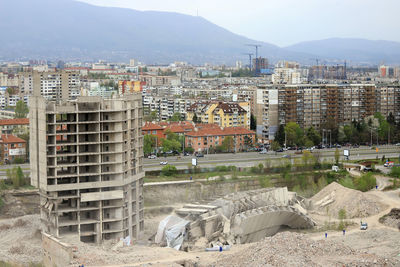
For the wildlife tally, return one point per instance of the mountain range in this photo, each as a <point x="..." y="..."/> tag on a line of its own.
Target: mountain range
<point x="72" y="30"/>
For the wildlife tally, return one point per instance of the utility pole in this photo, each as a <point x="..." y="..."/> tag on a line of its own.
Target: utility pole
<point x="371" y="138"/>
<point x="330" y="137"/>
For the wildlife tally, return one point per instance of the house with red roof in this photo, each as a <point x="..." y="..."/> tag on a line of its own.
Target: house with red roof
<point x="12" y="147"/>
<point x="206" y="139"/>
<point x="7" y="126"/>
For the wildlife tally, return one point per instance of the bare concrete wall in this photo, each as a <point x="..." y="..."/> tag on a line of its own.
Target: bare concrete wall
<point x="56" y="253"/>
<point x="157" y="195"/>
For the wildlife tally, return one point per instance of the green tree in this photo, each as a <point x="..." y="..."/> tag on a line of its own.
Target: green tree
<point x="294" y="134"/>
<point x="228" y="144"/>
<point x="280" y="135"/>
<point x="313" y="135"/>
<point x="149" y="143"/>
<point x="337" y="156"/>
<point x="176" y="117"/>
<point x="196" y="119"/>
<point x="275" y="146"/>
<point x="248" y="142"/>
<point x="21" y="109"/>
<point x="168" y="170"/>
<point x="253" y="122"/>
<point x="17" y="177"/>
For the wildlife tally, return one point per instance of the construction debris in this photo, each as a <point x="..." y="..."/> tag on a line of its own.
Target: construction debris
<point x="294" y="249"/>
<point x="241" y="217"/>
<point x="392" y="219"/>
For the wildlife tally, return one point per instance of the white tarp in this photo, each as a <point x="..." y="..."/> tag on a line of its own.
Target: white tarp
<point x="172" y="230"/>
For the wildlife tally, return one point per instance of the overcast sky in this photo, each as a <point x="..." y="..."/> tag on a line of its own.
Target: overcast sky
<point x="285" y="22"/>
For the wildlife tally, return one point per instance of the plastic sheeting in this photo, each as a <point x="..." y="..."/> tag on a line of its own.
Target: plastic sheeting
<point x="172" y="230"/>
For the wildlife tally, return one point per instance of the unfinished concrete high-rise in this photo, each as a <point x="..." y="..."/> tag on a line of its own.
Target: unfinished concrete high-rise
<point x="87" y="161"/>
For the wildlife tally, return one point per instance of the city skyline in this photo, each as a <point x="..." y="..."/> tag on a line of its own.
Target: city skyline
<point x="304" y="20"/>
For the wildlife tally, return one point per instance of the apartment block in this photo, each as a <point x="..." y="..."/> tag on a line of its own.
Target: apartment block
<point x="52" y="85"/>
<point x="87" y="161"/>
<point x="316" y="105"/>
<point x="224" y="114"/>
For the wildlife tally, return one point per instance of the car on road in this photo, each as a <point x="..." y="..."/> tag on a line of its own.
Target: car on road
<point x="163" y="162"/>
<point x="200" y="155"/>
<point x="398" y="144"/>
<point x="363" y="226"/>
<point x="280" y="150"/>
<point x="286" y="156"/>
<point x="263" y="152"/>
<point x="186" y="154"/>
<point x="388" y="164"/>
<point x="152" y="157"/>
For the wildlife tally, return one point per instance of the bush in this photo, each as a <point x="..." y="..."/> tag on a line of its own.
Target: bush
<point x="347" y="182"/>
<point x="221" y="168"/>
<point x="395" y="172"/>
<point x="365" y="182"/>
<point x="189" y="150"/>
<point x="169" y="170"/>
<point x="264" y="182"/>
<point x="19" y="161"/>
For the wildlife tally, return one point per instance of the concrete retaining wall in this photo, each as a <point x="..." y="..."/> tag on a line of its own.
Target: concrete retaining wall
<point x="56" y="253"/>
<point x="164" y="194"/>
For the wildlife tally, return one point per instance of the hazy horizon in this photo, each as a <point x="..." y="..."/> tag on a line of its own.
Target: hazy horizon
<point x="288" y="22"/>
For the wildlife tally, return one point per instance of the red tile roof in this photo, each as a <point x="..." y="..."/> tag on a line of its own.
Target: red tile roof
<point x="149" y="126"/>
<point x="24" y="121"/>
<point x="220" y="132"/>
<point x="9" y="138"/>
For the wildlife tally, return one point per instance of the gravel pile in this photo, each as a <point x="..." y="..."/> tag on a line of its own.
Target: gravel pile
<point x="392" y="219"/>
<point x="334" y="197"/>
<point x="293" y="249"/>
<point x="21" y="240"/>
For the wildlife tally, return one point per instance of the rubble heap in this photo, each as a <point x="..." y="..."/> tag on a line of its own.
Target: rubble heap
<point x="239" y="218"/>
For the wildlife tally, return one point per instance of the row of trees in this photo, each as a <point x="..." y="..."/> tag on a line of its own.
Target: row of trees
<point x="296" y="136"/>
<point x="375" y="128"/>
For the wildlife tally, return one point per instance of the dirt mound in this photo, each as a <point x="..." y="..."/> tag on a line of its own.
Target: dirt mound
<point x="293" y="249"/>
<point x="20" y="240"/>
<point x="335" y="197"/>
<point x="392" y="219"/>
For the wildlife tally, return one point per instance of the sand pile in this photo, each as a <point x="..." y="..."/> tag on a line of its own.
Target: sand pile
<point x="293" y="249"/>
<point x="21" y="240"/>
<point x="334" y="197"/>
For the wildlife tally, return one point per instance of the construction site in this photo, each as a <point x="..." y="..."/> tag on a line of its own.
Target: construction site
<point x="269" y="226"/>
<point x="89" y="203"/>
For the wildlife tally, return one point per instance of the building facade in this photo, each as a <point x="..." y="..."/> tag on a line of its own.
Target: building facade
<point x="87" y="161"/>
<point x="12" y="147"/>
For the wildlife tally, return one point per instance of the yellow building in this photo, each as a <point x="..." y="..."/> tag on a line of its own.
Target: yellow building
<point x="222" y="113"/>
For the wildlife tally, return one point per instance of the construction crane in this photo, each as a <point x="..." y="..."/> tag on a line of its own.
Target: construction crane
<point x="256" y="46"/>
<point x="250" y="55"/>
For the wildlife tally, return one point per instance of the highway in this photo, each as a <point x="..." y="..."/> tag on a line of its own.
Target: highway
<point x="248" y="159"/>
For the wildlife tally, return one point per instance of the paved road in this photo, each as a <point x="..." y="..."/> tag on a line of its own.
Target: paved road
<point x="250" y="159"/>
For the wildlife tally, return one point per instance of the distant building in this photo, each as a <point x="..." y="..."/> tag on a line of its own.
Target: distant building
<point x="52" y="85"/>
<point x="260" y="64"/>
<point x="129" y="87"/>
<point x="202" y="140"/>
<point x="8" y="125"/>
<point x="12" y="147"/>
<point x="224" y="114"/>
